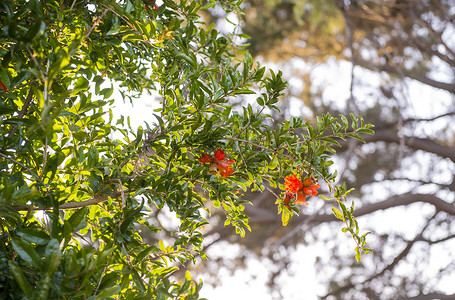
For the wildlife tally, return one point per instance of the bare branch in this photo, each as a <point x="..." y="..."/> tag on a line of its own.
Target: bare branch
<point x="431" y="242"/>
<point x="450" y="87"/>
<point x="424" y="144"/>
<point x="390" y="266"/>
<point x="431" y="296"/>
<point x="410" y="120"/>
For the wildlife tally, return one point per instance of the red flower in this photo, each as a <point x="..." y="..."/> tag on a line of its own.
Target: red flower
<point x="310" y="186"/>
<point x="301" y="189"/>
<point x="205" y="159"/>
<point x="301" y="198"/>
<point x="2" y="86"/>
<point x="217" y="163"/>
<point x="151" y="2"/>
<point x="292" y="184"/>
<point x="220" y="155"/>
<point x="287" y="198"/>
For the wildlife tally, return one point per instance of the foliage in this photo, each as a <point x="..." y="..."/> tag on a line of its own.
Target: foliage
<point x="77" y="184"/>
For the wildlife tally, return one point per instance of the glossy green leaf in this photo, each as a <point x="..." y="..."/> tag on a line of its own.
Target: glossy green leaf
<point x="338" y="214"/>
<point x="20" y="278"/>
<point x="26" y="251"/>
<point x="33" y="235"/>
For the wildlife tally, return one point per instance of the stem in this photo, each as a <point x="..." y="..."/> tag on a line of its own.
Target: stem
<point x="96" y="23"/>
<point x="25" y="167"/>
<point x="22" y="113"/>
<point x="44" y="159"/>
<point x="257" y="145"/>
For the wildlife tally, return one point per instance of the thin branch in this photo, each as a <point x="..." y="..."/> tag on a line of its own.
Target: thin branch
<point x="23" y="166"/>
<point x="431" y="296"/>
<point x="390" y="266"/>
<point x="409" y="120"/>
<point x="392" y="179"/>
<point x="424" y="144"/>
<point x="432" y="242"/>
<point x="72" y="4"/>
<point x="257" y="145"/>
<point x="96" y="23"/>
<point x="22" y="113"/>
<point x="44" y="159"/>
<point x="102" y="274"/>
<point x="32" y="55"/>
<point x="450" y="87"/>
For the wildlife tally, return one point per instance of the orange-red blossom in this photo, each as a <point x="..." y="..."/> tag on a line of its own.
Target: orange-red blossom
<point x="2" y="86"/>
<point x="307" y="187"/>
<point x="150" y="3"/>
<point x="217" y="163"/>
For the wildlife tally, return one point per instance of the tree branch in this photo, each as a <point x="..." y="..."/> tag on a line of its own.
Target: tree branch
<point x="450" y="87"/>
<point x="415" y="143"/>
<point x="431" y="296"/>
<point x="388" y="125"/>
<point x="390" y="266"/>
<point x="21" y="113"/>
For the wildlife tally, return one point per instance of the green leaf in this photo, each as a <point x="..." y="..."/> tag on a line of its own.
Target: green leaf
<point x="338" y="214"/>
<point x="186" y="58"/>
<point x="104" y="256"/>
<point x="357" y="254"/>
<point x="19" y="276"/>
<point x="326" y="198"/>
<point x="145" y="253"/>
<point x="53" y="255"/>
<point x="26" y="252"/>
<point x="273" y="163"/>
<point x="286" y="216"/>
<point x="365" y="130"/>
<point x="80" y="85"/>
<point x="138" y="281"/>
<point x="34" y="235"/>
<point x="331" y="141"/>
<point x="77" y="217"/>
<point x="356" y="136"/>
<point x="62" y="61"/>
<point x="108" y="292"/>
<point x="354" y="123"/>
<point x="345" y="122"/>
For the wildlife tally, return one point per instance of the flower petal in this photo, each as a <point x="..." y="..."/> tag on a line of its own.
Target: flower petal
<point x="220" y="155"/>
<point x="213" y="168"/>
<point x="287" y="198"/>
<point x="301" y="198"/>
<point x="2" y="86"/>
<point x="225" y="171"/>
<point x="228" y="162"/>
<point x="205" y="159"/>
<point x="292" y="184"/>
<point x="307" y="182"/>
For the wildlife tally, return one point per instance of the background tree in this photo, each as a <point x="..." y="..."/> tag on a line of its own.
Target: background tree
<point x="396" y="59"/>
<point x="82" y="193"/>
